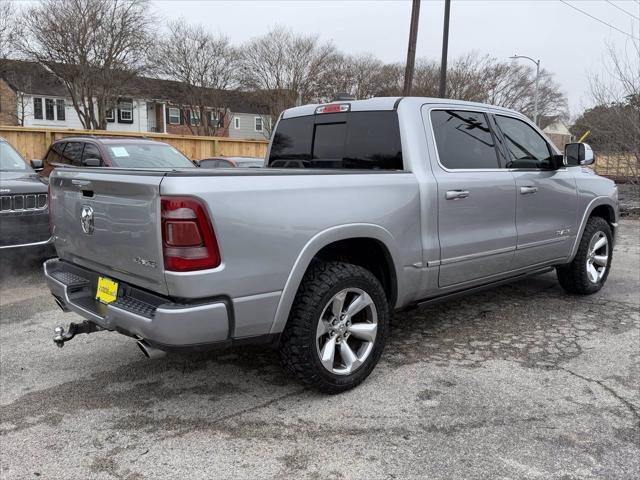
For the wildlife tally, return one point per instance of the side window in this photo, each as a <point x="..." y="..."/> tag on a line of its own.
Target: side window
<point x="527" y="148"/>
<point x="73" y="153"/>
<point x="55" y="153"/>
<point x="37" y="108"/>
<point x="464" y="140"/>
<point x="91" y="151"/>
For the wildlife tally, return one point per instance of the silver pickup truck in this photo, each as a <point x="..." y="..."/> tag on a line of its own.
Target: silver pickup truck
<point x="364" y="207"/>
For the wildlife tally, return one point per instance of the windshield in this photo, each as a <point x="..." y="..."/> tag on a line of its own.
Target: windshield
<point x="10" y="160"/>
<point x="147" y="155"/>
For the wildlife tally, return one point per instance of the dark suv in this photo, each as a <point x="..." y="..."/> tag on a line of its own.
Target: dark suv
<point x="113" y="152"/>
<point x="24" y="214"/>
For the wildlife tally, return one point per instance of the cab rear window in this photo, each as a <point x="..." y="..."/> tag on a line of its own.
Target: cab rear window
<point x="357" y="140"/>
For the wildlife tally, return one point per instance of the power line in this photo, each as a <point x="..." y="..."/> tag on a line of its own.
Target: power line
<point x="623" y="10"/>
<point x="599" y="20"/>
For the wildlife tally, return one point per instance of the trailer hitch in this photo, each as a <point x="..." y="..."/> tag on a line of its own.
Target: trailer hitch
<point x="60" y="336"/>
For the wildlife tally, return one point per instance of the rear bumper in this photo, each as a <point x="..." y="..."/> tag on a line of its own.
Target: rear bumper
<point x="138" y="313"/>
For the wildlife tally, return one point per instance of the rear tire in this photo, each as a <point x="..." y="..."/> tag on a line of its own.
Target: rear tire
<point x="589" y="270"/>
<point x="337" y="328"/>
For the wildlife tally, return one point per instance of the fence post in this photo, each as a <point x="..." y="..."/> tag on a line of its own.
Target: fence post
<point x="215" y="147"/>
<point x="47" y="142"/>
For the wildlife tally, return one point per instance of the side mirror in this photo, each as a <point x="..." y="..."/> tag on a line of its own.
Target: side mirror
<point x="578" y="154"/>
<point x="37" y="165"/>
<point x="91" y="162"/>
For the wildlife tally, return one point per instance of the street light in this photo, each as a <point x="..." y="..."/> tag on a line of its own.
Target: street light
<point x="535" y="96"/>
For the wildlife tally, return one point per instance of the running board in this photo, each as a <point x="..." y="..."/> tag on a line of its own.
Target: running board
<point x="469" y="291"/>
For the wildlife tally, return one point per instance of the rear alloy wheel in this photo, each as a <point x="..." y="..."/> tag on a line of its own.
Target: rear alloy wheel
<point x="346" y="331"/>
<point x="589" y="269"/>
<point x="337" y="327"/>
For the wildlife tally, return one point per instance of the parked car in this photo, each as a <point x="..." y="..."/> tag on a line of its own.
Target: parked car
<point x="230" y="162"/>
<point x="120" y="152"/>
<point x="401" y="202"/>
<point x="24" y="214"/>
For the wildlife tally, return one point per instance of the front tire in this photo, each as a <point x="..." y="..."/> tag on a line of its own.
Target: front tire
<point x="337" y="328"/>
<point x="589" y="270"/>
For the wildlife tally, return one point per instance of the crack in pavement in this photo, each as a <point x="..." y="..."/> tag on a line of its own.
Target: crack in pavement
<point x="630" y="406"/>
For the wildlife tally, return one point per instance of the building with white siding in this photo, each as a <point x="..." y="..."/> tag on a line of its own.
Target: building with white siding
<point x="32" y="96"/>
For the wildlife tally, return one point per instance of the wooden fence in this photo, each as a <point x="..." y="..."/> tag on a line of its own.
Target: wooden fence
<point x="620" y="167"/>
<point x="34" y="142"/>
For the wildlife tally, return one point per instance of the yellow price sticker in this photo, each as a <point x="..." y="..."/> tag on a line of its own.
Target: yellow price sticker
<point x="107" y="291"/>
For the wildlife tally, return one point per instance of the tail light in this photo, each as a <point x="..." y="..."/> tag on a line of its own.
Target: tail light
<point x="333" y="108"/>
<point x="188" y="240"/>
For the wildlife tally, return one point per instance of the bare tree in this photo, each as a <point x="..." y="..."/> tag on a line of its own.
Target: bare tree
<point x="8" y="29"/>
<point x="483" y="79"/>
<point x="285" y="68"/>
<point x="358" y="75"/>
<point x="205" y="65"/>
<point x="614" y="121"/>
<point x="95" y="47"/>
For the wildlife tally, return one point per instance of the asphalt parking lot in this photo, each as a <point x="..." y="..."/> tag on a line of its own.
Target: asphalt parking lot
<point x="521" y="382"/>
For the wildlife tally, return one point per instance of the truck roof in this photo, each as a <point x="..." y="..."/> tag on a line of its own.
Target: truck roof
<point x="389" y="103"/>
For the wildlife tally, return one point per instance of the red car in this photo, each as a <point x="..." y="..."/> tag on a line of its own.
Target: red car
<point x="113" y="152"/>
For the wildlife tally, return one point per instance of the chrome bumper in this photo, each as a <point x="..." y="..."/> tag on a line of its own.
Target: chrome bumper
<point x="27" y="245"/>
<point x="138" y="313"/>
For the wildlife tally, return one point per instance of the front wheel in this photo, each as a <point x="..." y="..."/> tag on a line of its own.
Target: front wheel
<point x="337" y="328"/>
<point x="589" y="269"/>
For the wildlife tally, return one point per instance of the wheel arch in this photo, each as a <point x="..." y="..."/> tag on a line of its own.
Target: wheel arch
<point x="330" y="244"/>
<point x="603" y="207"/>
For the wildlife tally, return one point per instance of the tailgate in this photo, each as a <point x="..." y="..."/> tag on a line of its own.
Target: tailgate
<point x="109" y="221"/>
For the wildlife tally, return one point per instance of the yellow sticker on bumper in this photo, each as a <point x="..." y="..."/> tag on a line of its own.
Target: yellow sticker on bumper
<point x="107" y="290"/>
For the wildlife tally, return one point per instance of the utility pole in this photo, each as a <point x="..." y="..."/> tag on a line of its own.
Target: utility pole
<point x="535" y="95"/>
<point x="411" y="51"/>
<point x="445" y="48"/>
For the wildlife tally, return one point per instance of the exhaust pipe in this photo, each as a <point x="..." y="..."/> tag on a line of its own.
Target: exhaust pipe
<point x="149" y="351"/>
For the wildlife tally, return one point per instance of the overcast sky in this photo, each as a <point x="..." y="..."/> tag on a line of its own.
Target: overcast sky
<point x="569" y="43"/>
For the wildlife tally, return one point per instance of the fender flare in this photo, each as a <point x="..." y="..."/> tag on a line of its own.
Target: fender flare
<point x="595" y="203"/>
<point x="317" y="243"/>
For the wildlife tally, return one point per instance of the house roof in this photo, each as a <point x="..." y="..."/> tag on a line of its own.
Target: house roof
<point x="177" y="93"/>
<point x="558" y="128"/>
<point x="33" y="78"/>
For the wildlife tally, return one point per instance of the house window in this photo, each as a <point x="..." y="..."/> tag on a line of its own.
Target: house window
<point x="125" y="111"/>
<point x="37" y="108"/>
<point x="216" y="119"/>
<point x="174" y="116"/>
<point x="194" y="117"/>
<point x="236" y="123"/>
<point x="60" y="111"/>
<point x="48" y="109"/>
<point x="111" y="115"/>
<point x="258" y="125"/>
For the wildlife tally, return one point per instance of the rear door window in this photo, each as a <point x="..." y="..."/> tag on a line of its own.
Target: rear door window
<point x="464" y="140"/>
<point x="54" y="154"/>
<point x="73" y="153"/>
<point x="357" y="140"/>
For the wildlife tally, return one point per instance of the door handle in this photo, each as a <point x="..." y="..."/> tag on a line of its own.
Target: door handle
<point x="528" y="190"/>
<point x="80" y="183"/>
<point x="456" y="194"/>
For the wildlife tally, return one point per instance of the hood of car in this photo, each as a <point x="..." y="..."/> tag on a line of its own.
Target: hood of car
<point x="12" y="183"/>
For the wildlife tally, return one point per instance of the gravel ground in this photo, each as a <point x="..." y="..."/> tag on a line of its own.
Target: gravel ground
<point x="521" y="382"/>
